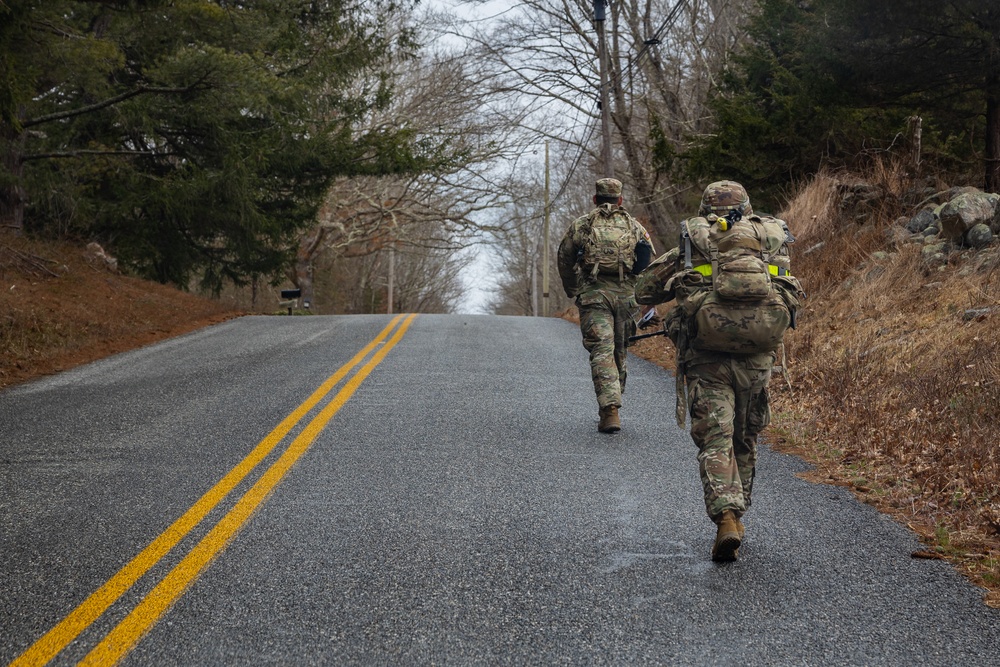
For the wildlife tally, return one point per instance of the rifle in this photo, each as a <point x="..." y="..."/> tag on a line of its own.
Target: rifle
<point x="661" y="332"/>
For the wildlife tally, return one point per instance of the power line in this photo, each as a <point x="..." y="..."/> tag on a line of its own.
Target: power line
<point x="651" y="41"/>
<point x="576" y="161"/>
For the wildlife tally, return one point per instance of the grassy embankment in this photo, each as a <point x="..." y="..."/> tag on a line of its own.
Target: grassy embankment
<point x="61" y="306"/>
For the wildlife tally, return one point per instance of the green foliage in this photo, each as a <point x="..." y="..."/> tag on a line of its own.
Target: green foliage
<point x="196" y="137"/>
<point x="831" y="82"/>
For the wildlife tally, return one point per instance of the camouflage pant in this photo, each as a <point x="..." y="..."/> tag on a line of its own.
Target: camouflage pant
<point x="607" y="319"/>
<point x="728" y="402"/>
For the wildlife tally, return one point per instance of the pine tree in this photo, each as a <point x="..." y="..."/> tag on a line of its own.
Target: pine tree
<point x="195" y="138"/>
<point x="828" y="81"/>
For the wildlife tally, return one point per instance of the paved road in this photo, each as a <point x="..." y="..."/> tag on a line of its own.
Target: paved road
<point x="447" y="501"/>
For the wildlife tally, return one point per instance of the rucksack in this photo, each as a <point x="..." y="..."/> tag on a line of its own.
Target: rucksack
<point x="736" y="292"/>
<point x="609" y="241"/>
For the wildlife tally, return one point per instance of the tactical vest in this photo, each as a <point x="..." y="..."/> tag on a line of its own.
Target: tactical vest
<point x="609" y="241"/>
<point x="735" y="287"/>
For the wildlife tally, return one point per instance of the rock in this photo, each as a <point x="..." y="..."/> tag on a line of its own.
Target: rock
<point x="995" y="222"/>
<point x="979" y="236"/>
<point x="959" y="190"/>
<point x="96" y="253"/>
<point x="965" y="212"/>
<point x="898" y="235"/>
<point x="859" y="200"/>
<point x="934" y="255"/>
<point x="978" y="314"/>
<point x="921" y="221"/>
<point x="874" y="273"/>
<point x="987" y="260"/>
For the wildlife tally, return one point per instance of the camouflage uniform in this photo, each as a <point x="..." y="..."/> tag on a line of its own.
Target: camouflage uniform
<point x="606" y="303"/>
<point x="727" y="395"/>
<point x="728" y="403"/>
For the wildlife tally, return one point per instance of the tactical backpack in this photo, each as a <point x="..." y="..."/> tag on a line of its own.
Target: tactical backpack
<point x="735" y="289"/>
<point x="609" y="241"/>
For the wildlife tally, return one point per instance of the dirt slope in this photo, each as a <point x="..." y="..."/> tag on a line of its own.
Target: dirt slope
<point x="62" y="305"/>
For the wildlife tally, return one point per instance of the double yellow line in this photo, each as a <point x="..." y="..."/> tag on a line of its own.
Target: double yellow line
<point x="155" y="604"/>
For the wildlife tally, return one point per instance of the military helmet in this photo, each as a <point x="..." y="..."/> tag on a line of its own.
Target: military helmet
<point x="724" y="196"/>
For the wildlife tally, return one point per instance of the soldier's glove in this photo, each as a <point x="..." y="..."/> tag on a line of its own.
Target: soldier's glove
<point x="650" y="319"/>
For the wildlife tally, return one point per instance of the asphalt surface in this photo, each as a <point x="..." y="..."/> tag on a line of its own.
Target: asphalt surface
<point x="460" y="508"/>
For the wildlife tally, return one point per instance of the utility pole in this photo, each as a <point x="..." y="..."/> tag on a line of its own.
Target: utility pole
<point x="392" y="276"/>
<point x="607" y="167"/>
<point x="534" y="284"/>
<point x="545" y="240"/>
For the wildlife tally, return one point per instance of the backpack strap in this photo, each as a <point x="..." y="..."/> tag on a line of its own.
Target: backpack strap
<point x="686" y="240"/>
<point x="695" y="232"/>
<point x="714" y="257"/>
<point x="585" y="231"/>
<point x="758" y="229"/>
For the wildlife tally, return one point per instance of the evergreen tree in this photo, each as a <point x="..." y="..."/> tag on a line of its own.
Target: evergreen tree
<point x="827" y="82"/>
<point x="195" y="138"/>
<point x="932" y="56"/>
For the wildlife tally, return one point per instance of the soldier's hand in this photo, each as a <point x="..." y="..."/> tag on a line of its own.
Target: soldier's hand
<point x="650" y="318"/>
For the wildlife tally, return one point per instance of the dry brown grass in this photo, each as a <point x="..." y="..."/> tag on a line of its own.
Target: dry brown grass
<point x="896" y="391"/>
<point x="895" y="385"/>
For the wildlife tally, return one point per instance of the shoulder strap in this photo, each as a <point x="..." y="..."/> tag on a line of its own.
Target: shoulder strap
<point x="686" y="242"/>
<point x="696" y="232"/>
<point x="776" y="236"/>
<point x="762" y="239"/>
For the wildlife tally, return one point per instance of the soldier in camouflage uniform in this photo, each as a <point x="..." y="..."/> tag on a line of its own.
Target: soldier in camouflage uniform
<point x="727" y="393"/>
<point x="605" y="295"/>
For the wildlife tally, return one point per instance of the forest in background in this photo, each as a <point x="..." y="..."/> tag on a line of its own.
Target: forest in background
<point x="356" y="149"/>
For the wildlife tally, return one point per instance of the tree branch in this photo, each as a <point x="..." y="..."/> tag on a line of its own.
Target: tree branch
<point x="66" y="154"/>
<point x="111" y="101"/>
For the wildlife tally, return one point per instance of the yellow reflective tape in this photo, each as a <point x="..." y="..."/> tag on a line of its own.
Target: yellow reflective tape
<point x="706" y="270"/>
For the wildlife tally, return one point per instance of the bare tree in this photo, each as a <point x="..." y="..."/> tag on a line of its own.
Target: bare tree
<point x="426" y="280"/>
<point x="439" y="98"/>
<point x="517" y="249"/>
<point x="663" y="54"/>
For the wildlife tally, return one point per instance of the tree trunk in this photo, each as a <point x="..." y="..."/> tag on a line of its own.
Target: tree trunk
<point x="915" y="132"/>
<point x="12" y="194"/>
<point x="992" y="181"/>
<point x="647" y="199"/>
<point x="301" y="273"/>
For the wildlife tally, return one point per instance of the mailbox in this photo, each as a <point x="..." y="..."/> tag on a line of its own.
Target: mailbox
<point x="291" y="293"/>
